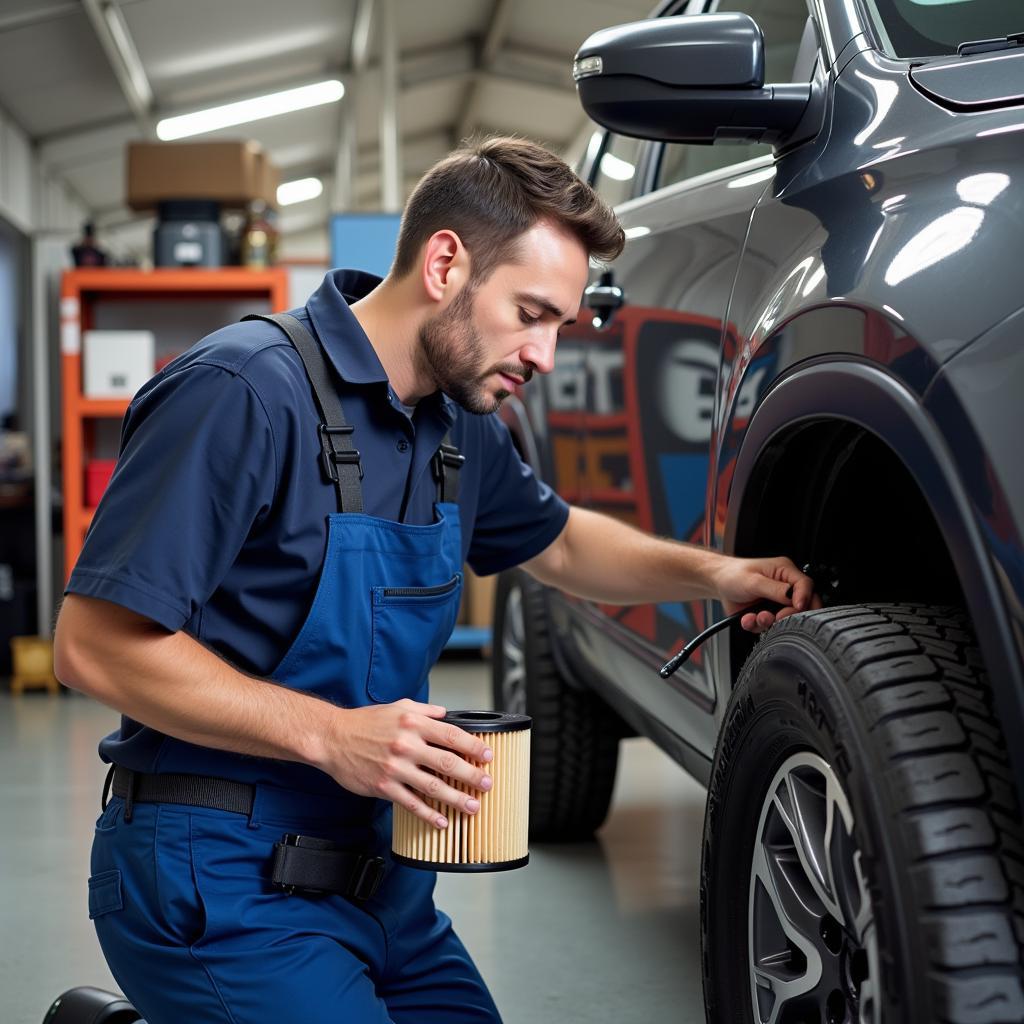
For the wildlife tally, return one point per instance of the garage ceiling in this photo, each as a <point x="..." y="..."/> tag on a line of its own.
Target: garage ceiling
<point x="465" y="66"/>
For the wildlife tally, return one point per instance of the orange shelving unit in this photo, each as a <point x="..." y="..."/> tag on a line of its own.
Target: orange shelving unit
<point x="85" y="295"/>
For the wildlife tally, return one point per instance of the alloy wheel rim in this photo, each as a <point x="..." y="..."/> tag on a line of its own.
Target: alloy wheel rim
<point x="513" y="654"/>
<point x="812" y="945"/>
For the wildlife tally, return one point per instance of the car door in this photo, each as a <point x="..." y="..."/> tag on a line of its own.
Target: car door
<point x="654" y="339"/>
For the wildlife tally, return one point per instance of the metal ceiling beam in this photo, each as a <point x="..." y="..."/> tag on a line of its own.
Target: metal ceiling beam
<point x="9" y="22"/>
<point x="112" y="30"/>
<point x="362" y="37"/>
<point x="426" y="67"/>
<point x="342" y="189"/>
<point x="496" y="31"/>
<point x="390" y="134"/>
<point x="418" y="68"/>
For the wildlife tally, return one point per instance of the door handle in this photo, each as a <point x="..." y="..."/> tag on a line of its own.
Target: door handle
<point x="604" y="298"/>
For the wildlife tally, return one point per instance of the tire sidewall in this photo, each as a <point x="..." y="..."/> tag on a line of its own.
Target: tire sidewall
<point x="790" y="697"/>
<point x="507" y="583"/>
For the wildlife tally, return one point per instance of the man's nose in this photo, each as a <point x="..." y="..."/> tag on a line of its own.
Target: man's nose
<point x="540" y="354"/>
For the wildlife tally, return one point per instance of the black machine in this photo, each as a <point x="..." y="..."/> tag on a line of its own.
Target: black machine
<point x="87" y="1005"/>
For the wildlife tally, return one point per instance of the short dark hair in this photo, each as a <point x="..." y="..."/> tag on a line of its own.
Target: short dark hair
<point x="490" y="191"/>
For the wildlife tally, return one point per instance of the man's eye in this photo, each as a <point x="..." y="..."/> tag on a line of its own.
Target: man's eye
<point x="526" y="318"/>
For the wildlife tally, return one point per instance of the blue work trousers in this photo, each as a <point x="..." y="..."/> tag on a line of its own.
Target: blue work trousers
<point x="194" y="932"/>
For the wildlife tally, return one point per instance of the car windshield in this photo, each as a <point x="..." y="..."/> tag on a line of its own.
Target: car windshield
<point x="926" y="28"/>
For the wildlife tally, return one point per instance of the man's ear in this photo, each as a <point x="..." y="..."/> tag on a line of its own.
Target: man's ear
<point x="445" y="267"/>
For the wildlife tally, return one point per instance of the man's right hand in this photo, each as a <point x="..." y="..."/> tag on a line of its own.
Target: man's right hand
<point x="392" y="752"/>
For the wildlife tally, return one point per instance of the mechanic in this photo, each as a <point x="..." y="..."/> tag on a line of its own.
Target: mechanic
<point x="272" y="573"/>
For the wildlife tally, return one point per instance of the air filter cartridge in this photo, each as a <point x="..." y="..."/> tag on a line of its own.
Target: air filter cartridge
<point x="493" y="839"/>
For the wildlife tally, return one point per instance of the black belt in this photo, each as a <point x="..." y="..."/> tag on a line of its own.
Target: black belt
<point x="171" y="788"/>
<point x="302" y="864"/>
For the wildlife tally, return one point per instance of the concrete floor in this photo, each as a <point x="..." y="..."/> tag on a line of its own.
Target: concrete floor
<point x="599" y="932"/>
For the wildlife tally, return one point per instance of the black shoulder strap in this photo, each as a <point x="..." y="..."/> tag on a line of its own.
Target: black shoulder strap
<point x="445" y="465"/>
<point x="339" y="458"/>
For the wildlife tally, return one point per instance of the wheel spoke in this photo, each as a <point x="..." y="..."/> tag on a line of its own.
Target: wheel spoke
<point x="784" y="880"/>
<point x="806" y="888"/>
<point x="808" y="824"/>
<point x="785" y="963"/>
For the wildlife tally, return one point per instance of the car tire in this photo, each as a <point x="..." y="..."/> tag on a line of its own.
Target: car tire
<point x="863" y="854"/>
<point x="574" y="743"/>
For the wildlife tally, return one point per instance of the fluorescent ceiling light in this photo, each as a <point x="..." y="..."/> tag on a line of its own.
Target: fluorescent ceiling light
<point x="298" y="191"/>
<point x="250" y="110"/>
<point x="637" y="232"/>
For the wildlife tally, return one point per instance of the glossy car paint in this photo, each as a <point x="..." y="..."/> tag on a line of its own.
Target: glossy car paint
<point x="870" y="275"/>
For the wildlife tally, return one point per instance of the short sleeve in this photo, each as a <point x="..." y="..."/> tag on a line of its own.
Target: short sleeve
<point x="518" y="515"/>
<point x="197" y="469"/>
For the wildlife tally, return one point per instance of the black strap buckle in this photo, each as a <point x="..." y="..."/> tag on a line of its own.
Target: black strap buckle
<point x="368" y="878"/>
<point x="331" y="459"/>
<point x="310" y="866"/>
<point x="447" y="456"/>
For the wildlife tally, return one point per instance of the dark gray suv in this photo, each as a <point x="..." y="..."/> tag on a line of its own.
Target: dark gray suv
<point x="812" y="346"/>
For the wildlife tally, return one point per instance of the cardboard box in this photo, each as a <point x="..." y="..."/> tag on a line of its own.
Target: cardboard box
<point x="231" y="173"/>
<point x="116" y="363"/>
<point x="479" y="600"/>
<point x="268" y="179"/>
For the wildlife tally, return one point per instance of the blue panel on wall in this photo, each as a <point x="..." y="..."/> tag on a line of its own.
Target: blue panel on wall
<point x="364" y="241"/>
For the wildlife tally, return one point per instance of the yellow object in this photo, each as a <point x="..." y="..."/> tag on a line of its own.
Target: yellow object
<point x="496" y="837"/>
<point x="33" y="664"/>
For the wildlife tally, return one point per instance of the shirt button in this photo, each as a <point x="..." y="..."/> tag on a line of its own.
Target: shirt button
<point x="403" y="445"/>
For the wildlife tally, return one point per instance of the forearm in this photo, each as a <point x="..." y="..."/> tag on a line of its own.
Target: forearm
<point x="174" y="684"/>
<point x="603" y="559"/>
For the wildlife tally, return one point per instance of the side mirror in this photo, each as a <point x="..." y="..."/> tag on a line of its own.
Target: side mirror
<point x="697" y="79"/>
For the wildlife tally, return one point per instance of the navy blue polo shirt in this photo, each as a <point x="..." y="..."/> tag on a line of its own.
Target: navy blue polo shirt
<point x="215" y="519"/>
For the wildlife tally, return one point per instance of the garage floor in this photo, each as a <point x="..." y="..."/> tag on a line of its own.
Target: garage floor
<point x="598" y="932"/>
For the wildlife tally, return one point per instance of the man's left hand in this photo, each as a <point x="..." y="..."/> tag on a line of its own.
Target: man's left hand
<point x="742" y="581"/>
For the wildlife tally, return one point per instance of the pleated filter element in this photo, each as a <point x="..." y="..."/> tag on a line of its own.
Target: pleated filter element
<point x="496" y="837"/>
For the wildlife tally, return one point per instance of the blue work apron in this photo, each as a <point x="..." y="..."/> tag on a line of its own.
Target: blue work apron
<point x="181" y="899"/>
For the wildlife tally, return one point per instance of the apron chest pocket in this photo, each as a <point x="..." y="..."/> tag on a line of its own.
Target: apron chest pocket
<point x="410" y="627"/>
<point x="105" y="893"/>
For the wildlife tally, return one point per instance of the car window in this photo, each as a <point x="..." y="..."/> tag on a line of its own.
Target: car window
<point x="926" y="28"/>
<point x="617" y="169"/>
<point x="783" y="23"/>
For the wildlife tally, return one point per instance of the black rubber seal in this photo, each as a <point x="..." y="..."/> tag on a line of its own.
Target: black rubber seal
<point x="468" y="869"/>
<point x="488" y="721"/>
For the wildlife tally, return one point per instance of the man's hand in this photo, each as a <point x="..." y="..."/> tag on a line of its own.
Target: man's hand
<point x="391" y="751"/>
<point x="742" y="581"/>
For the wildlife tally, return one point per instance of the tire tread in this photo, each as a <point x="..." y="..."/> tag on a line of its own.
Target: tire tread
<point x="921" y="685"/>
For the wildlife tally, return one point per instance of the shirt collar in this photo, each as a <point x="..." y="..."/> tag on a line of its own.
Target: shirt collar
<point x="344" y="339"/>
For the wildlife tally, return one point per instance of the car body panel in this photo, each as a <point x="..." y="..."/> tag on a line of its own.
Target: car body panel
<point x="881" y="253"/>
<point x="976" y="401"/>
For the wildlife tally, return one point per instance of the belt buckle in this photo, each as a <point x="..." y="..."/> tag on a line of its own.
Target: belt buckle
<point x="368" y="881"/>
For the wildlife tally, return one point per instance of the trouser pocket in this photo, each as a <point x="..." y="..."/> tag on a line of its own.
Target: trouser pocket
<point x="410" y="626"/>
<point x="144" y="868"/>
<point x="106" y="893"/>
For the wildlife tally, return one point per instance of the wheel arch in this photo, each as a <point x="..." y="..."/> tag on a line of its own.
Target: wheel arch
<point x="865" y="402"/>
